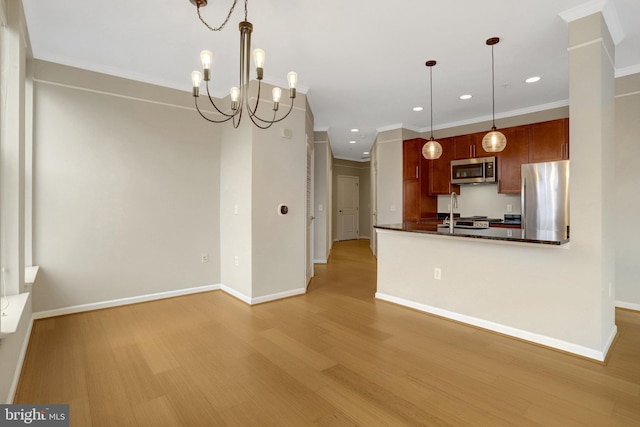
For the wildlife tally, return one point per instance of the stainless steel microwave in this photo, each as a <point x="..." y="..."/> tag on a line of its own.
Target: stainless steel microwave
<point x="473" y="171"/>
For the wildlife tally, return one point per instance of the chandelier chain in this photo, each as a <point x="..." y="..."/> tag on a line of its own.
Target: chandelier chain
<point x="227" y="18"/>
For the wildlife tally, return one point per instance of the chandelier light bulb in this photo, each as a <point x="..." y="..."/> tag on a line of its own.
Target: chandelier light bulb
<point x="196" y="78"/>
<point x="235" y="94"/>
<point x="277" y="93"/>
<point x="206" y="57"/>
<point x="292" y="77"/>
<point x="258" y="58"/>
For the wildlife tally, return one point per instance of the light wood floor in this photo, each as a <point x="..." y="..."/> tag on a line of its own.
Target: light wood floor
<point x="333" y="357"/>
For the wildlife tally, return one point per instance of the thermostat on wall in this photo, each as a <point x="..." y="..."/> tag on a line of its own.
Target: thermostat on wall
<point x="283" y="209"/>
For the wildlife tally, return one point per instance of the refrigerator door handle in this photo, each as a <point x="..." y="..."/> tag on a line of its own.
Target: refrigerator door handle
<point x="523" y="205"/>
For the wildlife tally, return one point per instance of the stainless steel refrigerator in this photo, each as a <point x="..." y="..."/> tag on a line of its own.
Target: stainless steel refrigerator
<point x="545" y="200"/>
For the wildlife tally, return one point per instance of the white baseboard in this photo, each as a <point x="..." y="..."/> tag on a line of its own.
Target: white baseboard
<point x="319" y="261"/>
<point x="280" y="295"/>
<point x="18" y="371"/>
<point x="546" y="341"/>
<point x="628" y="305"/>
<point x="122" y="301"/>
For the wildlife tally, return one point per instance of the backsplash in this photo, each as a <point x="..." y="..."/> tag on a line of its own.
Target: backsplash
<point x="481" y="199"/>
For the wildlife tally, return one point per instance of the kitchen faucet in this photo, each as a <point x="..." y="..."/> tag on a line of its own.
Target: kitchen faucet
<point x="453" y="203"/>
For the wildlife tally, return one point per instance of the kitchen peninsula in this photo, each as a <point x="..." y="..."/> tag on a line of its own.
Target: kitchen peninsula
<point x="491" y="233"/>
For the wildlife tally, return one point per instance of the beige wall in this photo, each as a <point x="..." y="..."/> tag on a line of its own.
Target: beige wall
<point x="126" y="189"/>
<point x="323" y="191"/>
<point x="627" y="182"/>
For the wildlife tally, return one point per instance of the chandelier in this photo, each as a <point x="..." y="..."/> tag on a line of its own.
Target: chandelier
<point x="240" y="95"/>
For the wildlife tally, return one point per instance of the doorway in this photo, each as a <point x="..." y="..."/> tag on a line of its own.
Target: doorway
<point x="348" y="207"/>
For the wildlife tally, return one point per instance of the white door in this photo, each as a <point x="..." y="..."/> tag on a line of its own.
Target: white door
<point x="309" y="213"/>
<point x="348" y="201"/>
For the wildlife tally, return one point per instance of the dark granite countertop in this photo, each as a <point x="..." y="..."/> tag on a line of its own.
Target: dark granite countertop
<point x="492" y="233"/>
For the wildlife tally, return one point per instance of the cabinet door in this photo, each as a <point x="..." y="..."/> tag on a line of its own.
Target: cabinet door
<point x="440" y="170"/>
<point x="411" y="153"/>
<point x="511" y="158"/>
<point x="464" y="146"/>
<point x="469" y="146"/>
<point x="411" y="191"/>
<point x="549" y="141"/>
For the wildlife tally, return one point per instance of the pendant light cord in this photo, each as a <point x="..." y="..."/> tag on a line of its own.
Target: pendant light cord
<point x="431" y="96"/>
<point x="493" y="89"/>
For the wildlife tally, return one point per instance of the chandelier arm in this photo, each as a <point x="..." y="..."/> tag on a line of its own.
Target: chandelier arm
<point x="239" y="116"/>
<point x="226" y="20"/>
<point x="209" y="119"/>
<point x="258" y="125"/>
<point x="255" y="107"/>
<point x="214" y="104"/>
<point x="274" y="115"/>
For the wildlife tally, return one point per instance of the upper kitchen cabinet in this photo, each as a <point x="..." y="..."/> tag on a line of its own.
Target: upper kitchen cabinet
<point x="511" y="158"/>
<point x="468" y="146"/>
<point x="440" y="170"/>
<point x="549" y="141"/>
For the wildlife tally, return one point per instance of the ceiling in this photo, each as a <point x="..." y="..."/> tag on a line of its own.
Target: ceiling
<point x="360" y="62"/>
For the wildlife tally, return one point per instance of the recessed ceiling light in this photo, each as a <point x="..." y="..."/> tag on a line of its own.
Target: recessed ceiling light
<point x="465" y="97"/>
<point x="355" y="130"/>
<point x="418" y="108"/>
<point x="533" y="79"/>
<point x="352" y="142"/>
<point x="366" y="152"/>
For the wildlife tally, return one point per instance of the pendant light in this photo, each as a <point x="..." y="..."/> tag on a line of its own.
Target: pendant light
<point x="432" y="149"/>
<point x="494" y="141"/>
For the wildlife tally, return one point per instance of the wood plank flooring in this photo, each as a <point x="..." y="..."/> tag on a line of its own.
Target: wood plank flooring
<point x="332" y="357"/>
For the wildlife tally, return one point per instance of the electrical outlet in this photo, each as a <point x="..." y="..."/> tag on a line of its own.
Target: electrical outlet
<point x="509" y="207"/>
<point x="204" y="257"/>
<point x="437" y="273"/>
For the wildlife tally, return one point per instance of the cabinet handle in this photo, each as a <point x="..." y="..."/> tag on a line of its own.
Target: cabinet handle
<point x="417" y="172"/>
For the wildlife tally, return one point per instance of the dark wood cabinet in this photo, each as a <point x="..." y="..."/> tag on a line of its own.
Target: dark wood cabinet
<point x="417" y="203"/>
<point x="469" y="146"/>
<point x="440" y="170"/>
<point x="549" y="141"/>
<point x="511" y="158"/>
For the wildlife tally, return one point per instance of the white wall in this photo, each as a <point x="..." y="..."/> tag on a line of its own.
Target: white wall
<point x="126" y="190"/>
<point x="627" y="203"/>
<point x="322" y="197"/>
<point x="388" y="146"/>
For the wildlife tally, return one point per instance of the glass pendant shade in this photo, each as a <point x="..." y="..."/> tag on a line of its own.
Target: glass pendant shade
<point x="432" y="150"/>
<point x="494" y="141"/>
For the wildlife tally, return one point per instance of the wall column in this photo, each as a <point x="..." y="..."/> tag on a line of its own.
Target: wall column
<point x="592" y="115"/>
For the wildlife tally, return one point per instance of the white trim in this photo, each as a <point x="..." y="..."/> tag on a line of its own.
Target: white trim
<point x="278" y="296"/>
<point x="320" y="261"/>
<point x="627" y="71"/>
<point x="507" y="330"/>
<point x="23" y="353"/>
<point x="242" y="297"/>
<point x="122" y="301"/>
<point x="628" y="305"/>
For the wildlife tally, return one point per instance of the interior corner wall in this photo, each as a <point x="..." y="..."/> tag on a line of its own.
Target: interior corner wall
<point x="627" y="151"/>
<point x="126" y="189"/>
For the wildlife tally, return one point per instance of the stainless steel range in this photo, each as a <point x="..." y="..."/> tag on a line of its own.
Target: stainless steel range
<point x="472" y="222"/>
